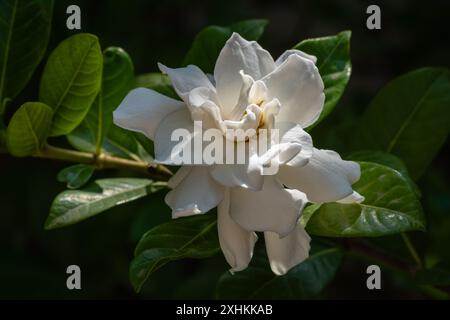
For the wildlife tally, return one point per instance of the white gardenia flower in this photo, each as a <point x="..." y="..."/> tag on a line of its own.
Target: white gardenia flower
<point x="249" y="90"/>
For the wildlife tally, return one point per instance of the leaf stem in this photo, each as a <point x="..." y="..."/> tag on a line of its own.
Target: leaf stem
<point x="104" y="161"/>
<point x="412" y="250"/>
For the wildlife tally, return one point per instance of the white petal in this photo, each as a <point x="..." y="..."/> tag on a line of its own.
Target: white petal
<point x="285" y="253"/>
<point x="184" y="80"/>
<point x="164" y="146"/>
<point x="143" y="109"/>
<point x="245" y="175"/>
<point x="355" y="197"/>
<point x="274" y="208"/>
<point x="287" y="53"/>
<point x="239" y="54"/>
<point x="196" y="193"/>
<point x="294" y="134"/>
<point x="237" y="243"/>
<point x="325" y="178"/>
<point x="297" y="84"/>
<point x="238" y="175"/>
<point x="203" y="105"/>
<point x="179" y="176"/>
<point x="243" y="100"/>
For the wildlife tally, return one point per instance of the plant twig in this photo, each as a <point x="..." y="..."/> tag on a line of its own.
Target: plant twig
<point x="103" y="161"/>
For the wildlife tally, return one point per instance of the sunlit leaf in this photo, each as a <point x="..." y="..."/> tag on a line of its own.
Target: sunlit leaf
<point x="73" y="206"/>
<point x="117" y="81"/>
<point x="71" y="80"/>
<point x="28" y="129"/>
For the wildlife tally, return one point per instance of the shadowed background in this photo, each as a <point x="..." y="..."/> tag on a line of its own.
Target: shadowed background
<point x="33" y="261"/>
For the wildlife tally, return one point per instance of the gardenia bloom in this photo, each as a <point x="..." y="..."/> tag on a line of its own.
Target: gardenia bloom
<point x="249" y="90"/>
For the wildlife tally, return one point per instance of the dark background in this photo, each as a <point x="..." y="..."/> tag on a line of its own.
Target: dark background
<point x="33" y="261"/>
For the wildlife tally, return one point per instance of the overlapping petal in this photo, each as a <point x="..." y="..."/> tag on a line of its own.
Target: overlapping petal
<point x="236" y="243"/>
<point x="238" y="55"/>
<point x="274" y="208"/>
<point x="196" y="193"/>
<point x="297" y="84"/>
<point x="325" y="178"/>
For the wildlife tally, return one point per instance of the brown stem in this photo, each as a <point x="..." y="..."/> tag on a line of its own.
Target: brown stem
<point x="102" y="161"/>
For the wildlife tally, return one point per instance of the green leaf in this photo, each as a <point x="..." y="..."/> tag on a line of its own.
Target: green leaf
<point x="119" y="142"/>
<point x="24" y="32"/>
<point x="2" y="136"/>
<point x="76" y="176"/>
<point x="386" y="159"/>
<point x="333" y="61"/>
<point x="410" y="118"/>
<point x="305" y="280"/>
<point x="71" y="80"/>
<point x="28" y="129"/>
<point x="390" y="207"/>
<point x="158" y="82"/>
<point x="207" y="44"/>
<point x="117" y="81"/>
<point x="73" y="206"/>
<point x="191" y="237"/>
<point x="128" y="143"/>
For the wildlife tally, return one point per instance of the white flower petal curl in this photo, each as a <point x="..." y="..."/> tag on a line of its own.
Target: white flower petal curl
<point x="142" y="110"/>
<point x="186" y="79"/>
<point x="287" y="53"/>
<point x="355" y="197"/>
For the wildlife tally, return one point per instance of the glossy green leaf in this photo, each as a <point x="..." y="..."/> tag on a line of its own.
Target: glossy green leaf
<point x="390" y="207"/>
<point x="76" y="176"/>
<point x="333" y="61"/>
<point x="28" y="129"/>
<point x="118" y="142"/>
<point x="410" y="118"/>
<point x="191" y="237"/>
<point x="385" y="159"/>
<point x="158" y="82"/>
<point x="24" y="32"/>
<point x="71" y="80"/>
<point x="73" y="206"/>
<point x="305" y="280"/>
<point x="117" y="81"/>
<point x="207" y="44"/>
